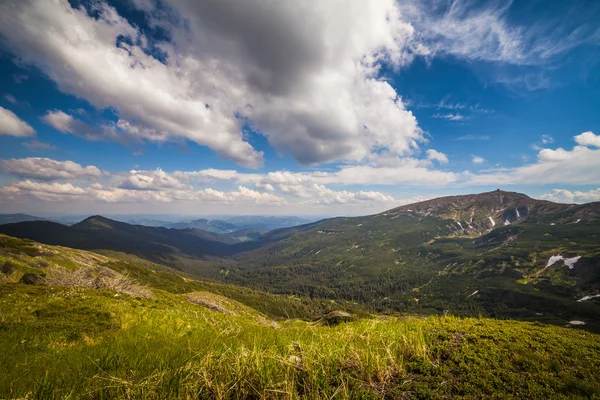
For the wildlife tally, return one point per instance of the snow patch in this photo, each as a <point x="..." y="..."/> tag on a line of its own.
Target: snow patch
<point x="359" y="225"/>
<point x="579" y="220"/>
<point x="461" y="227"/>
<point x="569" y="262"/>
<point x="553" y="260"/>
<point x="492" y="221"/>
<point x="588" y="297"/>
<point x="576" y="322"/>
<point x="474" y="293"/>
<point x="518" y="215"/>
<point x="553" y="224"/>
<point x="506" y="222"/>
<point x="317" y="252"/>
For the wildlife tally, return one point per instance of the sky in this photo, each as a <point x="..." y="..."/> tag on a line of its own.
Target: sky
<point x="294" y="107"/>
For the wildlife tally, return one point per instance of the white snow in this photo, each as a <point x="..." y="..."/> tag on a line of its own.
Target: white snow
<point x="576" y="322"/>
<point x="553" y="259"/>
<point x="589" y="297"/>
<point x="492" y="221"/>
<point x="317" y="252"/>
<point x="506" y="222"/>
<point x="474" y="293"/>
<point x="409" y="210"/>
<point x="461" y="227"/>
<point x="570" y="262"/>
<point x="553" y="223"/>
<point x="359" y="225"/>
<point x="518" y="215"/>
<point x="578" y="221"/>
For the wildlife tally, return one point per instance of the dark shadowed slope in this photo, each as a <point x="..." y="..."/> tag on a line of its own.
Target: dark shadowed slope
<point x="14" y="218"/>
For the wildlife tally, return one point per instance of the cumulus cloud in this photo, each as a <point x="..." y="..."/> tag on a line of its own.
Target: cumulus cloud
<point x="477" y="159"/>
<point x="588" y="139"/>
<point x="12" y="125"/>
<point x="48" y="169"/>
<point x="566" y="196"/>
<point x="151" y="180"/>
<point x="121" y="132"/>
<point x="577" y="166"/>
<point x="437" y="156"/>
<point x="42" y="190"/>
<point x="312" y="89"/>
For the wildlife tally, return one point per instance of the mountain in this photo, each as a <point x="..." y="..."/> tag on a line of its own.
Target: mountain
<point x="205" y="224"/>
<point x="14" y="218"/>
<point x="542" y="264"/>
<point x="480" y="213"/>
<point x="239" y="223"/>
<point x="185" y="249"/>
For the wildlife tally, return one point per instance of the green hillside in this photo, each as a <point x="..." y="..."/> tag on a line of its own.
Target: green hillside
<point x="77" y="324"/>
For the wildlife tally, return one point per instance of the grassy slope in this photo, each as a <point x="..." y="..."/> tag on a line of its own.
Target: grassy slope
<point x="72" y="342"/>
<point x="85" y="343"/>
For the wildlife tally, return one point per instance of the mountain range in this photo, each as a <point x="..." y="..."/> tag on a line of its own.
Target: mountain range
<point x="498" y="253"/>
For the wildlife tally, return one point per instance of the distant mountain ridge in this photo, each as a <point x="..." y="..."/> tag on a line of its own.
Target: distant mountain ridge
<point x="480" y="213"/>
<point x="14" y="218"/>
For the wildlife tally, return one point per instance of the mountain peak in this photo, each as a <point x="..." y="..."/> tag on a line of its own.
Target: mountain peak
<point x="97" y="221"/>
<point x="482" y="212"/>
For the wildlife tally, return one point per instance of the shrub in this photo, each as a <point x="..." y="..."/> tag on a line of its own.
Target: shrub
<point x="99" y="278"/>
<point x="8" y="267"/>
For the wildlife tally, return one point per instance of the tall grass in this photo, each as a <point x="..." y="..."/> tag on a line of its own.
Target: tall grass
<point x="82" y="343"/>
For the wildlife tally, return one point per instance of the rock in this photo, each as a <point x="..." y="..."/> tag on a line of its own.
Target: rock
<point x="29" y="278"/>
<point x="337" y="317"/>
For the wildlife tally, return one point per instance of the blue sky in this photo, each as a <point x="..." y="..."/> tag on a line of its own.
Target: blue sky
<point x="267" y="107"/>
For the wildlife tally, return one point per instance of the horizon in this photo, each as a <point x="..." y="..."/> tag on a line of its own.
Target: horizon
<point x="175" y="217"/>
<point x="187" y="108"/>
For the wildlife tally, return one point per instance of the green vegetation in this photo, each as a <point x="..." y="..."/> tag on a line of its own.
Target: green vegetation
<point x="86" y="343"/>
<point x="116" y="326"/>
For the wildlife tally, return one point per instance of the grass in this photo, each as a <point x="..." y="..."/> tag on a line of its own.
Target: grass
<point x="85" y="343"/>
<point x="205" y="340"/>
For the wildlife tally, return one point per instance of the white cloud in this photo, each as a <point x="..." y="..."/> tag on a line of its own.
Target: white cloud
<point x="12" y="125"/>
<point x="44" y="191"/>
<point x="473" y="137"/>
<point x="121" y="132"/>
<point x="151" y="180"/>
<point x="588" y="139"/>
<point x="48" y="169"/>
<point x="437" y="156"/>
<point x="312" y="89"/>
<point x="451" y="116"/>
<point x="566" y="196"/>
<point x="482" y="32"/>
<point x="578" y="166"/>
<point x="547" y="139"/>
<point x="477" y="159"/>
